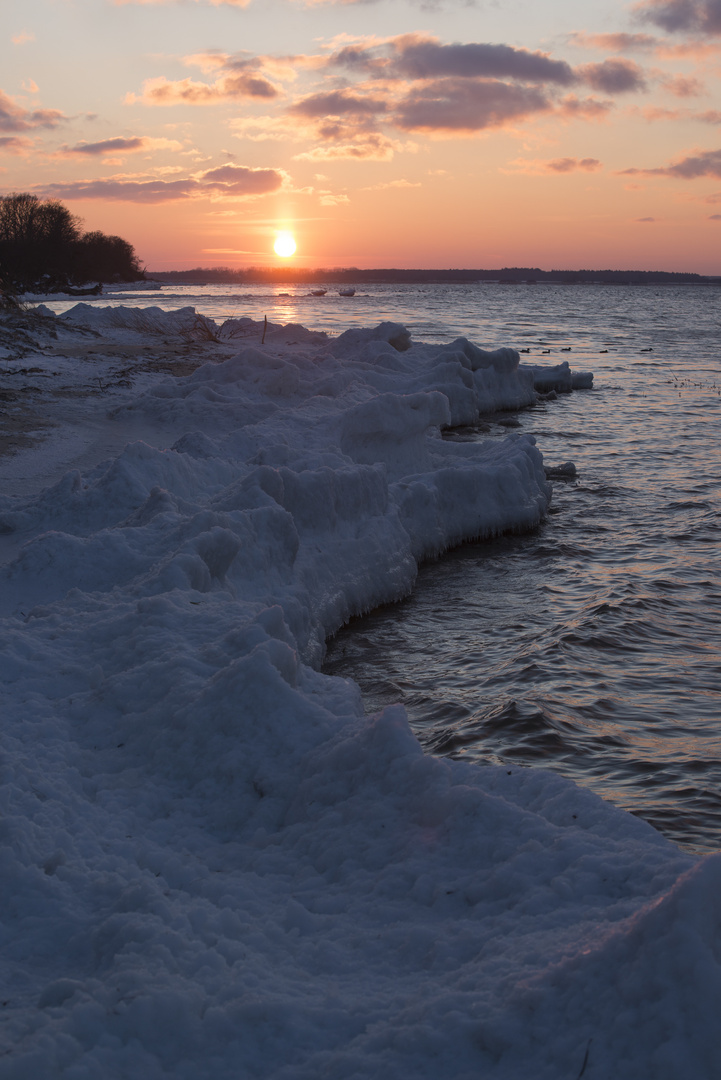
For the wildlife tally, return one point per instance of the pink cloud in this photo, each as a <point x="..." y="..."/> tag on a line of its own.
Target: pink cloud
<point x="15" y="144"/>
<point x="683" y="86"/>
<point x="615" y="42"/>
<point x="14" y="118"/>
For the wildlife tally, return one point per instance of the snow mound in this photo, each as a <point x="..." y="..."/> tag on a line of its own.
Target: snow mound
<point x="214" y="864"/>
<point x="185" y="322"/>
<point x="559" y="378"/>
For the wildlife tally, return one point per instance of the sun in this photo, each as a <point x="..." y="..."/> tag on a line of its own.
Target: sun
<point x="284" y="245"/>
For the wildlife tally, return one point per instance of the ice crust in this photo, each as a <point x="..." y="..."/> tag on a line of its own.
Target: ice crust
<point x="213" y="863"/>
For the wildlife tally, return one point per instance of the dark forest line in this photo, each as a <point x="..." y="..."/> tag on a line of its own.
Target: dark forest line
<point x="277" y="275"/>
<point x="44" y="249"/>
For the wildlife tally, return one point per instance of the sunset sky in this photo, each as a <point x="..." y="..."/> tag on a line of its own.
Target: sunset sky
<point x="457" y="133"/>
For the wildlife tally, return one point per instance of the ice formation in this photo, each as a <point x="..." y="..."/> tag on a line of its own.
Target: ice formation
<point x="213" y="863"/>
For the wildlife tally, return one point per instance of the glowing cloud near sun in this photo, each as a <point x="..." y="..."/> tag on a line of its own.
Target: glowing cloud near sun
<point x="284" y="245"/>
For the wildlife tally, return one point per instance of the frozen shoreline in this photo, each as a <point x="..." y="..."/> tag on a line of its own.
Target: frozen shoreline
<point x="214" y="862"/>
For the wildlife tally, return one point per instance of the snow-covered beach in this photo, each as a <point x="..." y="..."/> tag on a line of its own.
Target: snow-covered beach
<point x="214" y="864"/>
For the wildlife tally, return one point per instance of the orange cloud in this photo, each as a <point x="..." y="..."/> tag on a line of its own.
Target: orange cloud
<point x="161" y="91"/>
<point x="372" y="147"/>
<point x="558" y="166"/>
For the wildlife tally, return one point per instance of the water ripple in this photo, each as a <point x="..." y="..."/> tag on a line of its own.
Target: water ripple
<point x="592" y="646"/>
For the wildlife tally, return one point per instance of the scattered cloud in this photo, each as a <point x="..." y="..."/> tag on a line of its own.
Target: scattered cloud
<point x="119" y="145"/>
<point x="653" y="114"/>
<point x="241" y="180"/>
<point x="614" y="42"/>
<point x="366" y="87"/>
<point x="121" y="190"/>
<point x="590" y="109"/>
<point x="714" y="217"/>
<point x="283" y="68"/>
<point x="214" y="3"/>
<point x="337" y="103"/>
<point x="703" y="163"/>
<point x="231" y="87"/>
<point x="683" y="86"/>
<point x="615" y="76"/>
<point x="557" y="165"/>
<point x="458" y="105"/>
<point x="645" y="220"/>
<point x="234" y="181"/>
<point x="394" y="184"/>
<point x="373" y="147"/>
<point x="15" y="144"/>
<point x="421" y="57"/>
<point x="265" y="128"/>
<point x="23" y="37"/>
<point x="565" y="165"/>
<point x="14" y="117"/>
<point x="679" y="16"/>
<point x="417" y="57"/>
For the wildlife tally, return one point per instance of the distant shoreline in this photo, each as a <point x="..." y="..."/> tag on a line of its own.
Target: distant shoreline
<point x="353" y="276"/>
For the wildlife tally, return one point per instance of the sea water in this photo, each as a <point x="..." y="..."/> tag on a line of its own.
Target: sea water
<point x="593" y="646"/>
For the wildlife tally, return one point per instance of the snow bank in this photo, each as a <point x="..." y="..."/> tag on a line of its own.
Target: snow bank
<point x="559" y="378"/>
<point x="213" y="863"/>
<point x="183" y="322"/>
